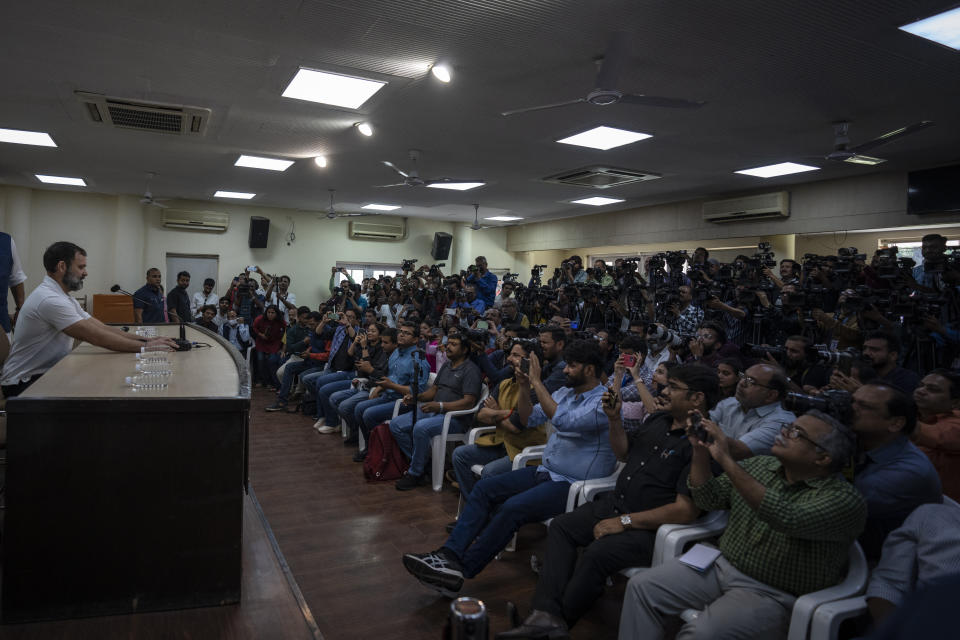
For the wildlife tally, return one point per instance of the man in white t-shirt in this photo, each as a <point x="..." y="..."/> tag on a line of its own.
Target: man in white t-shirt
<point x="51" y="319"/>
<point x="278" y="293"/>
<point x="204" y="298"/>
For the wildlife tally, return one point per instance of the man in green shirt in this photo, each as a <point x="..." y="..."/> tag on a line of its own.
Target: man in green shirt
<point x="792" y="520"/>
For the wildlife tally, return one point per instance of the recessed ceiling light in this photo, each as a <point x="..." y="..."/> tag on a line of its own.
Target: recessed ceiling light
<point x="381" y="207"/>
<point x="37" y="138"/>
<point x="605" y="138"/>
<point x="860" y="159"/>
<point x="321" y="161"/>
<point x="456" y="186"/>
<point x="256" y="162"/>
<point x="781" y="169"/>
<point x="943" y="28"/>
<point x="331" y="88"/>
<point x="597" y="201"/>
<point x="504" y="218"/>
<point x="233" y="194"/>
<point x="441" y="72"/>
<point x="76" y="182"/>
<point x="364" y="128"/>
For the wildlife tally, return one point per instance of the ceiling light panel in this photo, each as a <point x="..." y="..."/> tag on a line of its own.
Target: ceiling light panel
<point x="74" y="182"/>
<point x="256" y="162"/>
<point x="597" y="201"/>
<point x="604" y="138"/>
<point x="503" y="218"/>
<point x="868" y="160"/>
<point x="331" y="88"/>
<point x="37" y="138"/>
<point x="381" y="207"/>
<point x="774" y="170"/>
<point x="456" y="186"/>
<point x="234" y="194"/>
<point x="943" y="28"/>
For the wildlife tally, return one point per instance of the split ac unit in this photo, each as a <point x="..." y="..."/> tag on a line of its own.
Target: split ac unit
<point x="385" y="228"/>
<point x="198" y="220"/>
<point x="759" y="207"/>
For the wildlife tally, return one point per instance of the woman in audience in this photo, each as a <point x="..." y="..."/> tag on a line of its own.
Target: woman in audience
<point x="371" y="363"/>
<point x="268" y="333"/>
<point x="728" y="371"/>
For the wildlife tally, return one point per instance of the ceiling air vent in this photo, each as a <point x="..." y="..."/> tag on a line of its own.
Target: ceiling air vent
<point x="145" y="116"/>
<point x="601" y="177"/>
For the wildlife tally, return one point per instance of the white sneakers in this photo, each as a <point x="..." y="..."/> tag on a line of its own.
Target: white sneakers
<point x="322" y="427"/>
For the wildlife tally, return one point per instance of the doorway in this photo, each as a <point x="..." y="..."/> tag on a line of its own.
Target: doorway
<point x="200" y="267"/>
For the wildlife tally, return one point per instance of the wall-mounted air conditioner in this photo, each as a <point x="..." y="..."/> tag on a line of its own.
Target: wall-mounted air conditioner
<point x="759" y="207"/>
<point x="197" y="220"/>
<point x="385" y="228"/>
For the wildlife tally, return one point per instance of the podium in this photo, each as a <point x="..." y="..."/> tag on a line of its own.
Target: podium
<point x="121" y="500"/>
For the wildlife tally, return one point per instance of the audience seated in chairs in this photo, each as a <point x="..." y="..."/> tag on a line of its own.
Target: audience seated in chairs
<point x="314" y="359"/>
<point x="371" y="362"/>
<point x="792" y="520"/>
<point x="618" y="529"/>
<point x="341" y="331"/>
<point x="457" y="387"/>
<point x="893" y="476"/>
<point x="495" y="451"/>
<point x="578" y="449"/>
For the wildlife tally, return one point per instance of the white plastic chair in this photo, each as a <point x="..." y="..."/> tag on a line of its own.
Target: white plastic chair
<point x="438" y="444"/>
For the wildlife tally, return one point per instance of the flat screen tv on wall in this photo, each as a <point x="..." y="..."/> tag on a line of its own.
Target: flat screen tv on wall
<point x="934" y="190"/>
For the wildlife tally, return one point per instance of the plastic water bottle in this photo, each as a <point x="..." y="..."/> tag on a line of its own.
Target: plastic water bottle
<point x="151" y="357"/>
<point x="155" y="348"/>
<point x="147" y="382"/>
<point x="157" y="368"/>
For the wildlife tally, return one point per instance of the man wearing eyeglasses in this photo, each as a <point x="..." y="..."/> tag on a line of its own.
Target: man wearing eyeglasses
<point x="792" y="520"/>
<point x="752" y="417"/>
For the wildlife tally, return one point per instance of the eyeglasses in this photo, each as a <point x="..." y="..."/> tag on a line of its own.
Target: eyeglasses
<point x="793" y="432"/>
<point x="674" y="387"/>
<point x="749" y="381"/>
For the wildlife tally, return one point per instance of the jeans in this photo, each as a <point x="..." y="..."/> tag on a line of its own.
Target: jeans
<point x="496" y="508"/>
<point x="325" y="386"/>
<point x="294" y="369"/>
<point x="468" y="455"/>
<point x="371" y="412"/>
<point x="345" y="404"/>
<point x="267" y="364"/>
<point x="414" y="439"/>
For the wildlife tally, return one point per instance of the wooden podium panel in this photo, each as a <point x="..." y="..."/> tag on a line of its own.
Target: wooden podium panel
<point x="109" y="307"/>
<point x="121" y="501"/>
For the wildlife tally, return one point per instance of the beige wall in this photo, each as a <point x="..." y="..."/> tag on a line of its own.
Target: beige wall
<point x="865" y="242"/>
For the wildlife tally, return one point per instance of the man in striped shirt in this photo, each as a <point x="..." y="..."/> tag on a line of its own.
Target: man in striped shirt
<point x="792" y="520"/>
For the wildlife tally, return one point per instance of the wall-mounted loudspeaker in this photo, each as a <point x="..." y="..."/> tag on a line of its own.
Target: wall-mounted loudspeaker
<point x="259" y="229"/>
<point x="441" y="245"/>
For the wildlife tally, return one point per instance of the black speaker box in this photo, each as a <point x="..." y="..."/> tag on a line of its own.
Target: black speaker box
<point x="441" y="245"/>
<point x="259" y="230"/>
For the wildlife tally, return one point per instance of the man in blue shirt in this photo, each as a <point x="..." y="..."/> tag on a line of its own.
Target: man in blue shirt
<point x="485" y="282"/>
<point x="398" y="383"/>
<point x="578" y="449"/>
<point x="893" y="475"/>
<point x="149" y="303"/>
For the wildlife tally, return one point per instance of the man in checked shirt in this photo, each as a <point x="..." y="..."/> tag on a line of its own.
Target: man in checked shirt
<point x="792" y="520"/>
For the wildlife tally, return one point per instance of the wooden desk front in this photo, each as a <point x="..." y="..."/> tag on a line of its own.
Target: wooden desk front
<point x="121" y="500"/>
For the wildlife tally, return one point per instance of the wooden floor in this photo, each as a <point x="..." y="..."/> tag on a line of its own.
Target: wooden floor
<point x="267" y="607"/>
<point x="343" y="539"/>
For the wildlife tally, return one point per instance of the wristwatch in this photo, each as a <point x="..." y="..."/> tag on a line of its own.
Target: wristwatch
<point x="626" y="521"/>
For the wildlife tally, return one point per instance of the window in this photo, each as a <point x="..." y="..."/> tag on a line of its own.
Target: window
<point x="359" y="271"/>
<point x="911" y="248"/>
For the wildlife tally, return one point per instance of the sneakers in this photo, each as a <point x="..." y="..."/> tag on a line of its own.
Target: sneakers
<point x="408" y="482"/>
<point x="277" y="406"/>
<point x="438" y="570"/>
<point x="328" y="429"/>
<point x="360" y="456"/>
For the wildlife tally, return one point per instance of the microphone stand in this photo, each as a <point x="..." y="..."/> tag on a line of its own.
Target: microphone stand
<point x="116" y="288"/>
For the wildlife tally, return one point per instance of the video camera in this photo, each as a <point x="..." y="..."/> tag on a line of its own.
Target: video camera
<point x="407" y="264"/>
<point x="834" y="402"/>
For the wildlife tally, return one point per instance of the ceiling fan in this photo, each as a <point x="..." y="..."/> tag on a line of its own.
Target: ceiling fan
<point x="605" y="90"/>
<point x="333" y="214"/>
<point x="148" y="198"/>
<point x="476" y="219"/>
<point x="412" y="177"/>
<point x="843" y="152"/>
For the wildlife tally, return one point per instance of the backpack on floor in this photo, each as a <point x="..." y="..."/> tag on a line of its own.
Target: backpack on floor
<point x="384" y="459"/>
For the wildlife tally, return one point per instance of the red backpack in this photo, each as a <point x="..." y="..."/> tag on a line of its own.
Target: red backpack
<point x="384" y="459"/>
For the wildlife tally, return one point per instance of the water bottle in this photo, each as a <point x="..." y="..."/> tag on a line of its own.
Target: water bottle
<point x="158" y="368"/>
<point x="155" y="348"/>
<point x="151" y="357"/>
<point x="147" y="382"/>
